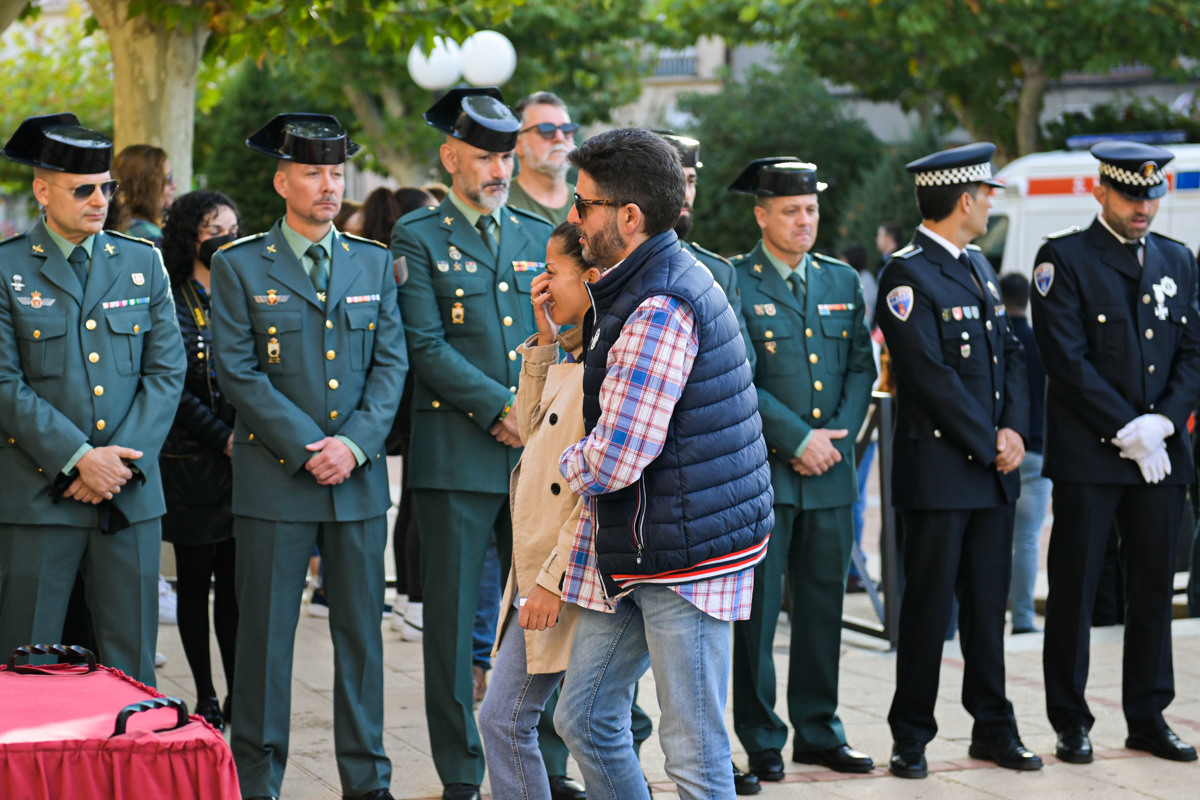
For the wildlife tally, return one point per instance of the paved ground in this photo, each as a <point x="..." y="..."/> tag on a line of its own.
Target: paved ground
<point x="867" y="676"/>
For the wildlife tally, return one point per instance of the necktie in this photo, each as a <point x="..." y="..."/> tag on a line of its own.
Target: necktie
<point x="965" y="260"/>
<point x="1135" y="247"/>
<point x="319" y="275"/>
<point x="798" y="287"/>
<point x="78" y="261"/>
<point x="483" y="223"/>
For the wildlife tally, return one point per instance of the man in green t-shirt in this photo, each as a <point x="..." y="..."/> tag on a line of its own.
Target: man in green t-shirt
<point x="546" y="136"/>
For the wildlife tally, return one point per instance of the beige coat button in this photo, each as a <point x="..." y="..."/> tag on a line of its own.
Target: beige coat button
<point x="988" y="325"/>
<point x="818" y="386"/>
<point x="99" y="424"/>
<point x="1101" y="318"/>
<point x="458" y="292"/>
<point x="937" y="434"/>
<point x="813" y="358"/>
<point x="502" y="286"/>
<point x="816" y="413"/>
<point x="1146" y="299"/>
<point x="507" y="322"/>
<point x="333" y="384"/>
<point x="1150" y="369"/>
<point x="90" y="324"/>
<point x="99" y="390"/>
<point x="808" y="332"/>
<point x="94" y="357"/>
<point x="329" y="324"/>
<point x="512" y="355"/>
<point x="1149" y="333"/>
<point x="966" y="335"/>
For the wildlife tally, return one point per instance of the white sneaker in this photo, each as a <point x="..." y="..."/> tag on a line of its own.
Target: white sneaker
<point x="159" y="659"/>
<point x="412" y="624"/>
<point x="166" y="603"/>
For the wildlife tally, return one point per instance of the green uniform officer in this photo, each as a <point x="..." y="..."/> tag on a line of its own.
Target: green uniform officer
<point x="92" y="362"/>
<point x="804" y="315"/>
<point x="466" y="308"/>
<point x="313" y="359"/>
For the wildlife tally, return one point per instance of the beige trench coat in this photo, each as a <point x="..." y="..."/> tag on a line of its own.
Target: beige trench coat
<point x="545" y="512"/>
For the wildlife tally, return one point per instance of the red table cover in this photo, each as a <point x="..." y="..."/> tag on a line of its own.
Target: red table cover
<point x="55" y="730"/>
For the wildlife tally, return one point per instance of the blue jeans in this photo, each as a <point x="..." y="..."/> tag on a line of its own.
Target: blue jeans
<point x="508" y="720"/>
<point x="860" y="505"/>
<point x="690" y="654"/>
<point x="487" y="611"/>
<point x="1027" y="533"/>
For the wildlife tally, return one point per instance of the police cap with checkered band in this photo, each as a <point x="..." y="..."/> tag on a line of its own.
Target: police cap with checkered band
<point x="1134" y="169"/>
<point x="971" y="163"/>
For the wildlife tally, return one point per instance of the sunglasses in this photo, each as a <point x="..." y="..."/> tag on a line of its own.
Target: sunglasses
<point x="548" y="129"/>
<point x="581" y="204"/>
<point x="85" y="190"/>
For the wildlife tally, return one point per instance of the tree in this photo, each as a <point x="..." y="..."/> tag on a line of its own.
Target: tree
<point x="986" y="63"/>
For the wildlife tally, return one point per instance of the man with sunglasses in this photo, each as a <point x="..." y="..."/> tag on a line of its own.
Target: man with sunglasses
<point x="545" y="138"/>
<point x="92" y="359"/>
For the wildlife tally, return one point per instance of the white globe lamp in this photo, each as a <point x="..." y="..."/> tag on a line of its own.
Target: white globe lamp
<point x="488" y="59"/>
<point x="440" y="68"/>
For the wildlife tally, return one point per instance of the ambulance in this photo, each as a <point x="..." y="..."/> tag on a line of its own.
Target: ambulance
<point x="1048" y="192"/>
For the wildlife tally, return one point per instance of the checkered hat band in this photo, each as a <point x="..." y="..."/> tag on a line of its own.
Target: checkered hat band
<point x="1131" y="178"/>
<point x="949" y="177"/>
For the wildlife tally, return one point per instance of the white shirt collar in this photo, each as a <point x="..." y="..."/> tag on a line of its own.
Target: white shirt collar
<point x="954" y="251"/>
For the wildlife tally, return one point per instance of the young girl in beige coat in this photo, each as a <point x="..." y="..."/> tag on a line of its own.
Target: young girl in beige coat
<point x="533" y="645"/>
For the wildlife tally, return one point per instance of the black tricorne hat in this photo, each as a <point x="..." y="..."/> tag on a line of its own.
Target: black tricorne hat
<point x="1134" y="169"/>
<point x="689" y="149"/>
<point x="971" y="163"/>
<point x="60" y="143"/>
<point x="477" y="117"/>
<point x="784" y="176"/>
<point x="304" y="138"/>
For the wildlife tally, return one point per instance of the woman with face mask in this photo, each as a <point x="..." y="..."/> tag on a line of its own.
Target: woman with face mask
<point x="195" y="459"/>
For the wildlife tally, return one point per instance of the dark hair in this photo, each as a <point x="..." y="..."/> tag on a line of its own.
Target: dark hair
<point x="349" y="209"/>
<point x="633" y="165"/>
<point x="538" y="99"/>
<point x="855" y="255"/>
<point x="566" y="236"/>
<point x="1014" y="288"/>
<point x="937" y="202"/>
<point x="181" y="231"/>
<point x="410" y="198"/>
<point x="893" y="230"/>
<point x="141" y="170"/>
<point x="380" y="211"/>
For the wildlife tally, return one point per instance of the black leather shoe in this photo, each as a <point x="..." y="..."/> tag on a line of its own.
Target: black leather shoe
<point x="460" y="791"/>
<point x="1074" y="746"/>
<point x="208" y="708"/>
<point x="744" y="782"/>
<point x="908" y="761"/>
<point x="842" y="758"/>
<point x="1007" y="752"/>
<point x="1162" y="743"/>
<point x="767" y="765"/>
<point x="378" y="794"/>
<point x="564" y="788"/>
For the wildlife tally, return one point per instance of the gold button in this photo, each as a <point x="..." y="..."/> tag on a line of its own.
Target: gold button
<point x="333" y="384"/>
<point x="988" y="324"/>
<point x="12" y="440"/>
<point x="808" y="332"/>
<point x="844" y="334"/>
<point x="502" y="286"/>
<point x="94" y="357"/>
<point x="370" y="326"/>
<point x="281" y="461"/>
<point x="970" y="457"/>
<point x="813" y="358"/>
<point x="507" y="321"/>
<point x="436" y="404"/>
<point x="330" y="355"/>
<point x="816" y="413"/>
<point x="272" y="330"/>
<point x="200" y="355"/>
<point x="136" y="328"/>
<point x="1149" y="333"/>
<point x="37" y="334"/>
<point x="818" y="386"/>
<point x="333" y="415"/>
<point x="769" y="334"/>
<point x="99" y="390"/>
<point x="458" y="292"/>
<point x="937" y="434"/>
<point x="329" y="324"/>
<point x="252" y="437"/>
<point x="1146" y="299"/>
<point x="512" y="355"/>
<point x="90" y="324"/>
<point x="1101" y="318"/>
<point x="470" y="415"/>
<point x="1150" y="369"/>
<point x="99" y="424"/>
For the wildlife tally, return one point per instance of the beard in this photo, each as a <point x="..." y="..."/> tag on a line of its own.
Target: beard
<point x="683" y="225"/>
<point x="489" y="200"/>
<point x="605" y="248"/>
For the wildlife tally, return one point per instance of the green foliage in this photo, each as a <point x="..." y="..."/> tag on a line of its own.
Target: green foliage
<point x="1122" y="115"/>
<point x="784" y="113"/>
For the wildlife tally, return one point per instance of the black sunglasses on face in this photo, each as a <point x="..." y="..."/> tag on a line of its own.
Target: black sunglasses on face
<point x="581" y="204"/>
<point x="548" y="129"/>
<point x="85" y="190"/>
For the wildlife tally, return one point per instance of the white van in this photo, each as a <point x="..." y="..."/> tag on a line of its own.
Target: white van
<point x="1049" y="192"/>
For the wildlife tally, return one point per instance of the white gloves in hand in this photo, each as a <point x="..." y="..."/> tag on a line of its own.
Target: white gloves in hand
<point x="1143" y="435"/>
<point x="1155" y="467"/>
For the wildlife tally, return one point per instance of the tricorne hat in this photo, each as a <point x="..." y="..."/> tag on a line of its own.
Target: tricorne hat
<point x="781" y="176"/>
<point x="477" y="117"/>
<point x="304" y="138"/>
<point x="689" y="149"/>
<point x="60" y="143"/>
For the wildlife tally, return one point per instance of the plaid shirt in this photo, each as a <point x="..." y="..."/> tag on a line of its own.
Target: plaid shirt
<point x="648" y="366"/>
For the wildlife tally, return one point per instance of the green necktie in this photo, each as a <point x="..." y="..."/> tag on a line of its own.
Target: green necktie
<point x="78" y="261"/>
<point x="483" y="224"/>
<point x="798" y="286"/>
<point x="319" y="275"/>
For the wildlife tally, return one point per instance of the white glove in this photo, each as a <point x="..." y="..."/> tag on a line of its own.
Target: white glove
<point x="1143" y="435"/>
<point x="1155" y="467"/>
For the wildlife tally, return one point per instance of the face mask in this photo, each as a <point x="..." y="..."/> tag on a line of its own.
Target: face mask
<point x="210" y="246"/>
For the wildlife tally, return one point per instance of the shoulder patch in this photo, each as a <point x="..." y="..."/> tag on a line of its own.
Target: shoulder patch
<point x="830" y="260"/>
<point x="908" y="251"/>
<point x="699" y="249"/>
<point x="529" y="215"/>
<point x="363" y="239"/>
<point x="1163" y="236"/>
<point x="737" y="258"/>
<point x="243" y="240"/>
<point x="1043" y="277"/>
<point x="129" y="238"/>
<point x="975" y="247"/>
<point x="900" y="302"/>
<point x="420" y="213"/>
<point x="1062" y="233"/>
<point x="16" y="237"/>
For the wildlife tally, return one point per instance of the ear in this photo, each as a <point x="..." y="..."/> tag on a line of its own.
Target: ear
<point x="449" y="158"/>
<point x="760" y="216"/>
<point x="591" y="275"/>
<point x="41" y="191"/>
<point x="1100" y="192"/>
<point x="280" y="183"/>
<point x="630" y="219"/>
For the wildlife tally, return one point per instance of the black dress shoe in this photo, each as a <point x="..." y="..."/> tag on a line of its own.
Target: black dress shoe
<point x="842" y="758"/>
<point x="908" y="761"/>
<point x="767" y="765"/>
<point x="1162" y="743"/>
<point x="1007" y="752"/>
<point x="378" y="794"/>
<point x="460" y="791"/>
<point x="564" y="788"/>
<point x="208" y="708"/>
<point x="744" y="782"/>
<point x="855" y="585"/>
<point x="1074" y="746"/>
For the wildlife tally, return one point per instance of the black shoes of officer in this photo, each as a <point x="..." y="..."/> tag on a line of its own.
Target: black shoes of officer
<point x="767" y="765"/>
<point x="842" y="758"/>
<point x="908" y="761"/>
<point x="460" y="791"/>
<point x="378" y="794"/>
<point x="564" y="788"/>
<point x="208" y="708"/>
<point x="1074" y="746"/>
<point x="744" y="782"/>
<point x="1162" y="743"/>
<point x="1007" y="752"/>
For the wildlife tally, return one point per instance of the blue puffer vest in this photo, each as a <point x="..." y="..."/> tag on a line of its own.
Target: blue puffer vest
<point x="703" y="507"/>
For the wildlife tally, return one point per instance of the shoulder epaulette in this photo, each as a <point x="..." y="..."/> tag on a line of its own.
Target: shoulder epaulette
<point x="363" y="239"/>
<point x="699" y="249"/>
<point x="830" y="260"/>
<point x="420" y="213"/>
<point x="737" y="258"/>
<point x="908" y="251"/>
<point x="1168" y="238"/>
<point x="242" y="240"/>
<point x="1062" y="233"/>
<point x="975" y="247"/>
<point x="530" y="215"/>
<point x="16" y="237"/>
<point x="130" y="238"/>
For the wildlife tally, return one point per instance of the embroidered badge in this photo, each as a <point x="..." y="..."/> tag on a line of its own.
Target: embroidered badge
<point x="108" y="248"/>
<point x="37" y="248"/>
<point x="471" y="266"/>
<point x="272" y="297"/>
<point x="900" y="302"/>
<point x="1168" y="286"/>
<point x="138" y="279"/>
<point x="771" y="347"/>
<point x="992" y="288"/>
<point x="35" y="300"/>
<point x="527" y="266"/>
<point x="945" y="315"/>
<point x="270" y="248"/>
<point x="447" y="220"/>
<point x="1000" y="311"/>
<point x="758" y="309"/>
<point x="346" y="247"/>
<point x="965" y="350"/>
<point x="770" y="309"/>
<point x="272" y="350"/>
<point x="133" y="301"/>
<point x="458" y="266"/>
<point x="362" y="298"/>
<point x="456" y="314"/>
<point x="957" y="313"/>
<point x="443" y="266"/>
<point x="17" y="283"/>
<point x="455" y="253"/>
<point x="1043" y="277"/>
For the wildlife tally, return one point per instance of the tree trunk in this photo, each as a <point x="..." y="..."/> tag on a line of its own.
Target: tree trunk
<point x="154" y="83"/>
<point x="9" y="11"/>
<point x="399" y="163"/>
<point x="1029" y="105"/>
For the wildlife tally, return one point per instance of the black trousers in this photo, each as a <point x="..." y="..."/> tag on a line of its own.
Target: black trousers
<point x="965" y="554"/>
<point x="1147" y="519"/>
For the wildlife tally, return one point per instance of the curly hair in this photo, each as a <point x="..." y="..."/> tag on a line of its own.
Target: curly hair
<point x="181" y="231"/>
<point x="141" y="170"/>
